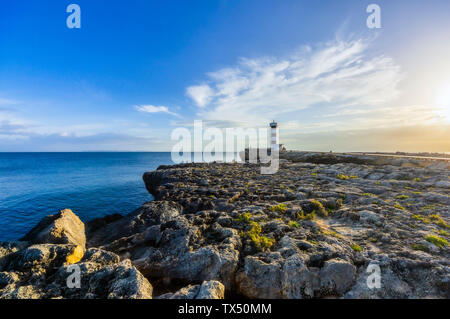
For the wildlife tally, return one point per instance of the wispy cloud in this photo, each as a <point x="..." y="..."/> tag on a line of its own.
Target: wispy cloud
<point x="155" y="109"/>
<point x="323" y="78"/>
<point x="201" y="94"/>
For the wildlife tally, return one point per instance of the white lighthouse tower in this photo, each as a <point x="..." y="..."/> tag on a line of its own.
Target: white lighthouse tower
<point x="274" y="144"/>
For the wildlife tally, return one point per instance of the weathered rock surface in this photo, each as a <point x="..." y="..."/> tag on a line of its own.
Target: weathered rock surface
<point x="29" y="270"/>
<point x="312" y="229"/>
<point x="62" y="228"/>
<point x="207" y="290"/>
<point x="162" y="242"/>
<point x="43" y="271"/>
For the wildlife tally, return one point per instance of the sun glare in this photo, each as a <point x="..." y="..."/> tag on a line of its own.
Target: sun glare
<point x="443" y="101"/>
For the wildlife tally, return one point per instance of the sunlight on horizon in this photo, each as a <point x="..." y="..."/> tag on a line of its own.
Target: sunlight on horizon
<point x="443" y="101"/>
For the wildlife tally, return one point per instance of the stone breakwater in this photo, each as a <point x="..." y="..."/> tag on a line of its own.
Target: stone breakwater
<point x="224" y="230"/>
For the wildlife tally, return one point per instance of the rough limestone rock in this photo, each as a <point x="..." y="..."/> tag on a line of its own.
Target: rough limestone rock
<point x="207" y="290"/>
<point x="293" y="279"/>
<point x="308" y="231"/>
<point x="42" y="271"/>
<point x="137" y="222"/>
<point x="43" y="258"/>
<point x="7" y="249"/>
<point x="162" y="242"/>
<point x="62" y="228"/>
<point x="367" y="216"/>
<point x="337" y="276"/>
<point x="25" y="273"/>
<point x="260" y="279"/>
<point x="105" y="280"/>
<point x="211" y="290"/>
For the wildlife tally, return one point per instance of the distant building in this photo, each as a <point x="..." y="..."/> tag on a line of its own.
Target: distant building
<point x="274" y="145"/>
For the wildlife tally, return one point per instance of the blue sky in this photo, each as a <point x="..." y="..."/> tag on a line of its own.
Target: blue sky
<point x="138" y="69"/>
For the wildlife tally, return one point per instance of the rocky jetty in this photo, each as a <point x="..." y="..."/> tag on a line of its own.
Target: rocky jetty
<point x="321" y="227"/>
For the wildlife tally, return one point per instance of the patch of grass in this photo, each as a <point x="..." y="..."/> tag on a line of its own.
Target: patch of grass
<point x="436" y="240"/>
<point x="442" y="224"/>
<point x="314" y="174"/>
<point x="313" y="242"/>
<point x="369" y="195"/>
<point x="265" y="243"/>
<point x="332" y="233"/>
<point x="244" y="218"/>
<point x="417" y="193"/>
<point x="437" y="219"/>
<point x="443" y="233"/>
<point x="356" y="247"/>
<point x="417" y="179"/>
<point x="319" y="208"/>
<point x="402" y="197"/>
<point x="293" y="224"/>
<point x="343" y="177"/>
<point x="280" y="208"/>
<point x="429" y="207"/>
<point x="398" y="206"/>
<point x="301" y="215"/>
<point x="420" y="247"/>
<point x="422" y="218"/>
<point x="254" y="234"/>
<point x="354" y="177"/>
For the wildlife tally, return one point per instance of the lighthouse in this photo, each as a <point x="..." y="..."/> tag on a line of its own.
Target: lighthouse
<point x="274" y="146"/>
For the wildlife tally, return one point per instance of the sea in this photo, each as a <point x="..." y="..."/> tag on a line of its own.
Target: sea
<point x="92" y="184"/>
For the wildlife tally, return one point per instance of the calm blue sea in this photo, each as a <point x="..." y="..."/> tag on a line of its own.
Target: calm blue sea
<point x="33" y="185"/>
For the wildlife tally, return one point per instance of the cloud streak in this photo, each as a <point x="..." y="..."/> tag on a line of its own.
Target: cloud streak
<point x="327" y="77"/>
<point x="154" y="109"/>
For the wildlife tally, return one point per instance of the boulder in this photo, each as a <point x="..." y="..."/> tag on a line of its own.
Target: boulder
<point x="43" y="258"/>
<point x="7" y="249"/>
<point x="42" y="271"/>
<point x="161" y="242"/>
<point x="336" y="277"/>
<point x="367" y="216"/>
<point x="150" y="214"/>
<point x="62" y="228"/>
<point x="211" y="290"/>
<point x="207" y="290"/>
<point x="260" y="279"/>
